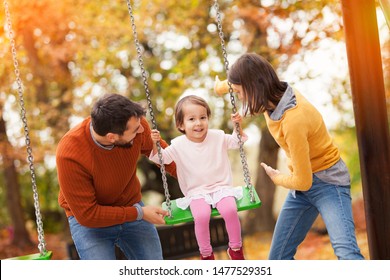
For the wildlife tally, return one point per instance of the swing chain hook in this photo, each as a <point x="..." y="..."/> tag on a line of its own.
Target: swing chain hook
<point x="150" y="106"/>
<point x="232" y="100"/>
<point x="30" y="158"/>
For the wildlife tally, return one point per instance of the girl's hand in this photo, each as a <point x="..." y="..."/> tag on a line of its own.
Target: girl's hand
<point x="155" y="135"/>
<point x="236" y="118"/>
<point x="270" y="171"/>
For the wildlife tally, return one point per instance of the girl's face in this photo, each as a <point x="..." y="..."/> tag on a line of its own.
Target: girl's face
<point x="239" y="91"/>
<point x="195" y="123"/>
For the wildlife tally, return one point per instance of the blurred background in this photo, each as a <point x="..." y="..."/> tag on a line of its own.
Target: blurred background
<point x="71" y="52"/>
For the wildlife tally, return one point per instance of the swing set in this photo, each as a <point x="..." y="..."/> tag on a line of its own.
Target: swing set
<point x="251" y="199"/>
<point x="176" y="215"/>
<point x="43" y="254"/>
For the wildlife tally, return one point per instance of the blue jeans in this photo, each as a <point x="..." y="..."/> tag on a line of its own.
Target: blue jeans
<point x="299" y="213"/>
<point x="138" y="240"/>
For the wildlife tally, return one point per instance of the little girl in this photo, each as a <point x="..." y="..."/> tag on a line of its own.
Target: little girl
<point x="204" y="172"/>
<point x="319" y="180"/>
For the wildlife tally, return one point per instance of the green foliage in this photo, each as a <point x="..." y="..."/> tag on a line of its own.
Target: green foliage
<point x="345" y="139"/>
<point x="4" y="217"/>
<point x="47" y="185"/>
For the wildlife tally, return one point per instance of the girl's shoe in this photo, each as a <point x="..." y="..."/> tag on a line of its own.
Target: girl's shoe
<point x="237" y="254"/>
<point x="211" y="257"/>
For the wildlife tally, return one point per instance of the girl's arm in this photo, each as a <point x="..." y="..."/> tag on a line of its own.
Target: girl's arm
<point x="236" y="118"/>
<point x="233" y="142"/>
<point x="155" y="135"/>
<point x="165" y="149"/>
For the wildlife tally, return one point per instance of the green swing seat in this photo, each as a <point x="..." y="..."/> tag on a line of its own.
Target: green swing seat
<point x="38" y="256"/>
<point x="182" y="216"/>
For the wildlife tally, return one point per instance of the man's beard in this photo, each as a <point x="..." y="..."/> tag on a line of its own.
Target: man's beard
<point x="123" y="144"/>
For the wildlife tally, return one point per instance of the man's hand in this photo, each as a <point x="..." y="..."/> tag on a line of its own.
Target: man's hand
<point x="154" y="215"/>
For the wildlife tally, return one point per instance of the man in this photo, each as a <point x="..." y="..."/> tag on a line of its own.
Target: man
<point x="99" y="189"/>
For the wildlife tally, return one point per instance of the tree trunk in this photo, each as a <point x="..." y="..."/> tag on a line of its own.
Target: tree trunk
<point x="21" y="236"/>
<point x="262" y="219"/>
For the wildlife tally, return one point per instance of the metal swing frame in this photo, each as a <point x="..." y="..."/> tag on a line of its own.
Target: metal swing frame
<point x="43" y="253"/>
<point x="176" y="215"/>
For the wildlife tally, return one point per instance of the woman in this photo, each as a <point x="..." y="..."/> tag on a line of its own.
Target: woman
<point x="319" y="181"/>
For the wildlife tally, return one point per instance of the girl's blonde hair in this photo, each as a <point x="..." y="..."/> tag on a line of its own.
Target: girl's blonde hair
<point x="193" y="99"/>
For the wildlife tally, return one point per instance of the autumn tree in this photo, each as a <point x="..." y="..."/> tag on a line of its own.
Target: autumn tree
<point x="43" y="52"/>
<point x="71" y="52"/>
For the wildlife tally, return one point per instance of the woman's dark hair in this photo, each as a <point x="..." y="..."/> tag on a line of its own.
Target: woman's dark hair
<point x="262" y="89"/>
<point x="193" y="99"/>
<point x="111" y="113"/>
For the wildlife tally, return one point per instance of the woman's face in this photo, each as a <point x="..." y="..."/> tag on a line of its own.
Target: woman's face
<point x="239" y="91"/>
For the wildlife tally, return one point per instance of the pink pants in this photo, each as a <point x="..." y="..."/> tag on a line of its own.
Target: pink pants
<point x="201" y="212"/>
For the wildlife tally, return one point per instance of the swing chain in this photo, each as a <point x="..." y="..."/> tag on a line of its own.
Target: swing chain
<point x="30" y="158"/>
<point x="237" y="127"/>
<point x="150" y="107"/>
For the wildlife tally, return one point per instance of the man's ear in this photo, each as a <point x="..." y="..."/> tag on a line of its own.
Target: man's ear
<point x="111" y="137"/>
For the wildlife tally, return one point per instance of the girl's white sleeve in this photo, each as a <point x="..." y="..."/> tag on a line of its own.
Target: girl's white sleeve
<point x="232" y="139"/>
<point x="167" y="156"/>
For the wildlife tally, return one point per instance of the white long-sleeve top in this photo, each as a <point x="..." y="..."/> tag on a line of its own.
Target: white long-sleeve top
<point x="202" y="168"/>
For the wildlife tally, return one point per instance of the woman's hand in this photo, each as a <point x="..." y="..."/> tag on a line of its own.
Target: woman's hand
<point x="269" y="170"/>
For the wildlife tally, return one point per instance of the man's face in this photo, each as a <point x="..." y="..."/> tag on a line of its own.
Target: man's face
<point x="133" y="127"/>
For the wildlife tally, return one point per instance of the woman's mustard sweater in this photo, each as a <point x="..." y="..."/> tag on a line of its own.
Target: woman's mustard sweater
<point x="302" y="134"/>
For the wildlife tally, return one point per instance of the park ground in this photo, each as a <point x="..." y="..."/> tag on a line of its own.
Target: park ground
<point x="316" y="246"/>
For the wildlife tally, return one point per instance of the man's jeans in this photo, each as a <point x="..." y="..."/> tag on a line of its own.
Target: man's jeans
<point x="138" y="240"/>
<point x="299" y="213"/>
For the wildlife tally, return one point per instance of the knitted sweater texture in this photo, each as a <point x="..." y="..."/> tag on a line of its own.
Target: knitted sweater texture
<point x="97" y="186"/>
<point x="302" y="134"/>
